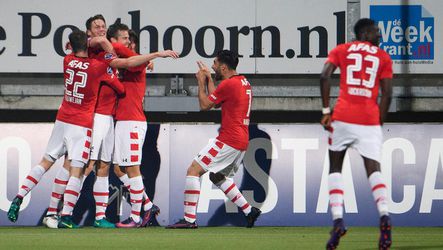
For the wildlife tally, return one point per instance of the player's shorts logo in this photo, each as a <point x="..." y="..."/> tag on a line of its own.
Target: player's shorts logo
<point x="407" y="31"/>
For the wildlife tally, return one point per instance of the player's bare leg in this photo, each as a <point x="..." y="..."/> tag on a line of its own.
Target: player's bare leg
<point x="122" y="176"/>
<point x="192" y="193"/>
<point x="379" y="192"/>
<point x="31" y="180"/>
<point x="335" y="186"/>
<point x="89" y="168"/>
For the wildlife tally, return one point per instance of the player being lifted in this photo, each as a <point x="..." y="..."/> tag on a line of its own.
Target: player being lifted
<point x="357" y="119"/>
<point x="222" y="156"/>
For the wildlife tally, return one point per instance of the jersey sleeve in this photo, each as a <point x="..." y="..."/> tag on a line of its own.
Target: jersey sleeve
<point x="109" y="78"/>
<point x="123" y="51"/>
<point x="333" y="57"/>
<point x="106" y="57"/>
<point x="386" y="71"/>
<point x="138" y="68"/>
<point x="220" y="93"/>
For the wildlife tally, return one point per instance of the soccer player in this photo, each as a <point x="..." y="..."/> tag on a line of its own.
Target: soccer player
<point x="130" y="131"/>
<point x="357" y="119"/>
<point x="103" y="130"/>
<point x="223" y="156"/>
<point x="150" y="210"/>
<point x="103" y="136"/>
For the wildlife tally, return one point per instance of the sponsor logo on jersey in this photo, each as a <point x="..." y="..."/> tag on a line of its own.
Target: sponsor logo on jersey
<point x="407" y="31"/>
<point x="78" y="64"/>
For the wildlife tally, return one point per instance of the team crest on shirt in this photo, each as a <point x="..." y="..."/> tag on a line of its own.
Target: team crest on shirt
<point x="109" y="56"/>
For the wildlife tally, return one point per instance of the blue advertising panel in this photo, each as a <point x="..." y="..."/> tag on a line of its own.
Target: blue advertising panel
<point x="410" y="33"/>
<point x="407" y="31"/>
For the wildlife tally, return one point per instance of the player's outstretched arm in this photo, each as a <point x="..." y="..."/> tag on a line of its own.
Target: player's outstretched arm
<point x="124" y="63"/>
<point x="325" y="89"/>
<point x="386" y="91"/>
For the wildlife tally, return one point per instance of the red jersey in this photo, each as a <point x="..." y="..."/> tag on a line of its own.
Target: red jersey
<point x="82" y="82"/>
<point x="107" y="99"/>
<point x="362" y="65"/>
<point x="130" y="107"/>
<point x="235" y="96"/>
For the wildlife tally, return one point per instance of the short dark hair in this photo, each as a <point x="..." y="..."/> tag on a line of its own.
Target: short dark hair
<point x="229" y="58"/>
<point x="133" y="37"/>
<point x="78" y="40"/>
<point x="113" y="30"/>
<point x="92" y="19"/>
<point x="362" y="26"/>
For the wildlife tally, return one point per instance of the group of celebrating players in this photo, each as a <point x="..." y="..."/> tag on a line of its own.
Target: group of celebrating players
<point x="105" y="82"/>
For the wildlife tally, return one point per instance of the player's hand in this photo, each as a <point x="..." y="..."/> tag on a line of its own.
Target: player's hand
<point x="68" y="46"/>
<point x="326" y="121"/>
<point x="201" y="77"/>
<point x="204" y="68"/>
<point x="150" y="66"/>
<point x="168" y="53"/>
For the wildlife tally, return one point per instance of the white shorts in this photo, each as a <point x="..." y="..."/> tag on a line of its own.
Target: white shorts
<point x="129" y="139"/>
<point x="220" y="158"/>
<point x="367" y="139"/>
<point x="69" y="138"/>
<point x="102" y="138"/>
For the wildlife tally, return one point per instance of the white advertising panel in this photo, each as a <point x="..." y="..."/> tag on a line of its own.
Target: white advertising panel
<point x="284" y="173"/>
<point x="281" y="36"/>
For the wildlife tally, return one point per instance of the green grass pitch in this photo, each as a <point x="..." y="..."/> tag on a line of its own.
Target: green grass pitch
<point x="213" y="238"/>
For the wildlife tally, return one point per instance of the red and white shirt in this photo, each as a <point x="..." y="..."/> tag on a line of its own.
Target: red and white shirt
<point x="235" y="96"/>
<point x="82" y="82"/>
<point x="362" y="66"/>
